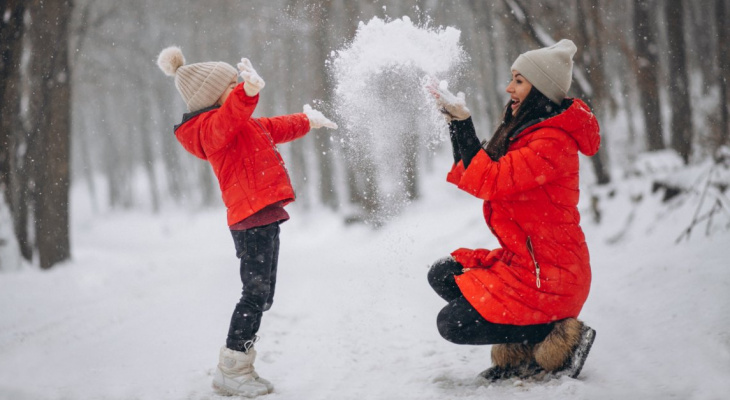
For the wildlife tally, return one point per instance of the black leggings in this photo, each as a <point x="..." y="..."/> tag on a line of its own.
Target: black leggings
<point x="258" y="249"/>
<point x="460" y="323"/>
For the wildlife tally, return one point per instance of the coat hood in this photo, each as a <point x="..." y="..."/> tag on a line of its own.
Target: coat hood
<point x="577" y="121"/>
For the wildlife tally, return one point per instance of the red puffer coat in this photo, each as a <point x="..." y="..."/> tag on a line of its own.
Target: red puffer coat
<point x="242" y="152"/>
<point x="530" y="204"/>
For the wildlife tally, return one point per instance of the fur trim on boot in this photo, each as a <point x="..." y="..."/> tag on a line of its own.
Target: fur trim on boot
<point x="553" y="352"/>
<point x="236" y="376"/>
<point x="565" y="349"/>
<point x="511" y="354"/>
<point x="511" y="360"/>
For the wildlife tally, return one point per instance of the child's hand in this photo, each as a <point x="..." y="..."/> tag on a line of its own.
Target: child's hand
<point x="317" y="119"/>
<point x="452" y="106"/>
<point x="252" y="81"/>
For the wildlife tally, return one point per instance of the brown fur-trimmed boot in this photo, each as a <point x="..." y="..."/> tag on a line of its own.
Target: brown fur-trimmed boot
<point x="565" y="349"/>
<point x="511" y="360"/>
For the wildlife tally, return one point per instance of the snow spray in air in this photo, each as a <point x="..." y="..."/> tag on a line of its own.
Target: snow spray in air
<point x="390" y="122"/>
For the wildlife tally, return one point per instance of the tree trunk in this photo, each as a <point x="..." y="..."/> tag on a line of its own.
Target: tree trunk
<point x="176" y="183"/>
<point x="646" y="76"/>
<point x="14" y="179"/>
<point x="352" y="11"/>
<point x="701" y="58"/>
<point x="111" y="161"/>
<point x="11" y="34"/>
<point x="50" y="71"/>
<point x="681" y="127"/>
<point x="723" y="61"/>
<point x="592" y="57"/>
<point x="488" y="70"/>
<point x="147" y="149"/>
<point x="627" y="86"/>
<point x="322" y="90"/>
<point x="297" y="165"/>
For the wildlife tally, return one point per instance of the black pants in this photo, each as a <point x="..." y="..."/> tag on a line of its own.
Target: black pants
<point x="460" y="323"/>
<point x="258" y="249"/>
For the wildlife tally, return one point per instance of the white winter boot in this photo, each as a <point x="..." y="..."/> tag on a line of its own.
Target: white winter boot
<point x="236" y="376"/>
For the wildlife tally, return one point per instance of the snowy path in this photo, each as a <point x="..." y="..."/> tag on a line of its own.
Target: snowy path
<point x="143" y="308"/>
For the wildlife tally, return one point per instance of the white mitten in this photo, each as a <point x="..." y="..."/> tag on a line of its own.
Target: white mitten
<point x="452" y="106"/>
<point x="317" y="119"/>
<point x="252" y="81"/>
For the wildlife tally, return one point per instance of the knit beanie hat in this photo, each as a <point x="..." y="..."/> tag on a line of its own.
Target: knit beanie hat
<point x="549" y="69"/>
<point x="200" y="84"/>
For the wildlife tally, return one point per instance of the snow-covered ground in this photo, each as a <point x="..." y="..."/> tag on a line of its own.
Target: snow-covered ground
<point x="142" y="309"/>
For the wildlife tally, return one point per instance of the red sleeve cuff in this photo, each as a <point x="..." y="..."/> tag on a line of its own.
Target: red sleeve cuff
<point x="457" y="171"/>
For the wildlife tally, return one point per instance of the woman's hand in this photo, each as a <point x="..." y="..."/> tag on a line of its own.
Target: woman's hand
<point x="317" y="119"/>
<point x="452" y="106"/>
<point x="252" y="81"/>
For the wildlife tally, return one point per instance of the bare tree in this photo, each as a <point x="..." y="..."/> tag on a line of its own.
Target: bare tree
<point x="297" y="165"/>
<point x="50" y="74"/>
<point x="700" y="43"/>
<point x="11" y="34"/>
<point x="647" y="80"/>
<point x="723" y="68"/>
<point x="488" y="70"/>
<point x="590" y="41"/>
<point x="13" y="174"/>
<point x="681" y="128"/>
<point x="322" y="91"/>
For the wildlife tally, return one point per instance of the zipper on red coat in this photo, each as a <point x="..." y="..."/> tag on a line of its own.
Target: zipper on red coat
<point x="531" y="250"/>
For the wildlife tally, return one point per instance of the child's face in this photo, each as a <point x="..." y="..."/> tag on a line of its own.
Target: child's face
<point x="225" y="94"/>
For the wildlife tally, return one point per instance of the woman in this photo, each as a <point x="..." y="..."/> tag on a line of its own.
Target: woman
<point x="524" y="297"/>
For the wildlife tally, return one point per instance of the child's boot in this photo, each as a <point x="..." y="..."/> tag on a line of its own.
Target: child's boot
<point x="565" y="349"/>
<point x="236" y="376"/>
<point x="511" y="360"/>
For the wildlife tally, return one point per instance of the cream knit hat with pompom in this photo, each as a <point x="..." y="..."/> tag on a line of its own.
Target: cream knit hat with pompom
<point x="200" y="84"/>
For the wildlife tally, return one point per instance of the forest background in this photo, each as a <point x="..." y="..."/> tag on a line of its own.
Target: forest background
<point x="82" y="101"/>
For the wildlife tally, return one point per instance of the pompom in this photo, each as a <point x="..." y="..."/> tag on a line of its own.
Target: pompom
<point x="170" y="59"/>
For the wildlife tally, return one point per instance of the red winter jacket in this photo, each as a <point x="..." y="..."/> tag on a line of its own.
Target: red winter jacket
<point x="242" y="152"/>
<point x="530" y="197"/>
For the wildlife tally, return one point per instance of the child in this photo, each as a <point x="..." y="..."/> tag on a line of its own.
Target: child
<point x="255" y="188"/>
<point x="524" y="297"/>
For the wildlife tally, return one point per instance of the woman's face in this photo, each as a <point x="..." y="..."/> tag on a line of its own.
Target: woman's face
<point x="225" y="94"/>
<point x="518" y="90"/>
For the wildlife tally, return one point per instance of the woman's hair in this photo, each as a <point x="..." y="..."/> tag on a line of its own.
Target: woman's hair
<point x="535" y="106"/>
